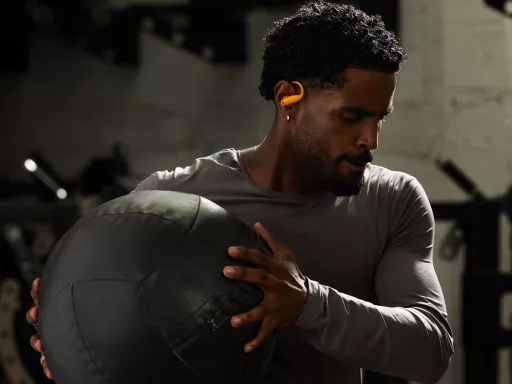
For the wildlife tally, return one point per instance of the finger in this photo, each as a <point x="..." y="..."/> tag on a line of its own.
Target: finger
<point x="31" y="316"/>
<point x="46" y="369"/>
<point x="254" y="315"/>
<point x="48" y="373"/>
<point x="267" y="236"/>
<point x="36" y="343"/>
<point x="250" y="275"/>
<point x="34" y="292"/>
<point x="279" y="251"/>
<point x="266" y="329"/>
<point x="252" y="256"/>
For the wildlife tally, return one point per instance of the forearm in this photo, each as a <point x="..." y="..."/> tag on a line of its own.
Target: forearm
<point x="411" y="343"/>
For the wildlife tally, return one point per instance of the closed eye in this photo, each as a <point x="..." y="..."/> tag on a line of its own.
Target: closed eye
<point x="351" y="120"/>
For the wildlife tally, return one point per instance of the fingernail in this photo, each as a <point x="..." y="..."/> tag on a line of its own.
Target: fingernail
<point x="237" y="321"/>
<point x="229" y="271"/>
<point x="248" y="348"/>
<point x="233" y="251"/>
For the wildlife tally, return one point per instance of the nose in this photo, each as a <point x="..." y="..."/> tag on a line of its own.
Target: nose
<point x="369" y="136"/>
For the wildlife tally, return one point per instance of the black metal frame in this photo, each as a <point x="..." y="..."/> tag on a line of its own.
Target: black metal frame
<point x="482" y="286"/>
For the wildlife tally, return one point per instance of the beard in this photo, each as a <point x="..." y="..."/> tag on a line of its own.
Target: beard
<point x="317" y="162"/>
<point x="350" y="185"/>
<point x="353" y="183"/>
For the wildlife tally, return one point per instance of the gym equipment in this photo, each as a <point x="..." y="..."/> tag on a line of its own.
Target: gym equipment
<point x="32" y="217"/>
<point x="478" y="237"/>
<point x="134" y="292"/>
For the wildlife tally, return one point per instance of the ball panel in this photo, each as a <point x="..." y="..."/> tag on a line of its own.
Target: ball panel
<point x="121" y="335"/>
<point x="215" y="348"/>
<point x="124" y="247"/>
<point x="178" y="207"/>
<point x="63" y="346"/>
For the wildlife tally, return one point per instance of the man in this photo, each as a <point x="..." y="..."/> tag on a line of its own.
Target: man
<point x="366" y="295"/>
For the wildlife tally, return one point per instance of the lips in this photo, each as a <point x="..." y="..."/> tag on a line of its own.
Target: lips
<point x="352" y="166"/>
<point x="359" y="160"/>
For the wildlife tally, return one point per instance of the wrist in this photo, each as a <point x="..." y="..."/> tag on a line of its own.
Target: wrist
<point x="313" y="306"/>
<point x="304" y="298"/>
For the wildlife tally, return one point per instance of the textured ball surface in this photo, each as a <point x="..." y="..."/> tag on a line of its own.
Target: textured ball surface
<point x="134" y="293"/>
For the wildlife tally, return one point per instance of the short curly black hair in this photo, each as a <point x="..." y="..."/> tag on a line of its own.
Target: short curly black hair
<point x="317" y="43"/>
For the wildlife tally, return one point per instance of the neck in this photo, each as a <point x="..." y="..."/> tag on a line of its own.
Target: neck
<point x="274" y="165"/>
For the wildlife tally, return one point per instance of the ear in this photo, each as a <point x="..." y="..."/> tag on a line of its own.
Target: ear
<point x="285" y="90"/>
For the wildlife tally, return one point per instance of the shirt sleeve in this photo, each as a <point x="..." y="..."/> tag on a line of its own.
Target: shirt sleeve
<point x="407" y="334"/>
<point x="174" y="180"/>
<point x="161" y="181"/>
<point x="150" y="183"/>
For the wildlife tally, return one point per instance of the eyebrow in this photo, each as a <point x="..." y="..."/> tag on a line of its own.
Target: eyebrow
<point x="364" y="112"/>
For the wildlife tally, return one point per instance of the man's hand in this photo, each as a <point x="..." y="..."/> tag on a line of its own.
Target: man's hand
<point x="282" y="283"/>
<point x="32" y="315"/>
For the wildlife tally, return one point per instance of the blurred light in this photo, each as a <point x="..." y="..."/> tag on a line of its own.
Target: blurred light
<point x="41" y="170"/>
<point x="178" y="38"/>
<point x="13" y="233"/>
<point x="61" y="193"/>
<point x="508" y="7"/>
<point x="30" y="165"/>
<point x="208" y="53"/>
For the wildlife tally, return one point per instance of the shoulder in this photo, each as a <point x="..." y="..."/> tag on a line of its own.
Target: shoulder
<point x="198" y="172"/>
<point x="392" y="185"/>
<point x="404" y="199"/>
<point x="381" y="177"/>
<point x="399" y="194"/>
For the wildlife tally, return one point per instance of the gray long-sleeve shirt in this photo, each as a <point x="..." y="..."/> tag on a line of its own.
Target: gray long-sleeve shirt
<point x="374" y="300"/>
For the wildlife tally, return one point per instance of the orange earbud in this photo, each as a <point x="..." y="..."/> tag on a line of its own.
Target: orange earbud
<point x="288" y="100"/>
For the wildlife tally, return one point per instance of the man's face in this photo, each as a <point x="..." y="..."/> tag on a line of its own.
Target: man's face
<point x="337" y="130"/>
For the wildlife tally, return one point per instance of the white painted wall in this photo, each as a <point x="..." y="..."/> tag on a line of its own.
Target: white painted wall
<point x="454" y="100"/>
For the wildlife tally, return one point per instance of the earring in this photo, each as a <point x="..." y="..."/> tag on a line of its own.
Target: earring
<point x="287" y="117"/>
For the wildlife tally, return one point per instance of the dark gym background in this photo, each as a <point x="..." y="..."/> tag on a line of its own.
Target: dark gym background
<point x="97" y="94"/>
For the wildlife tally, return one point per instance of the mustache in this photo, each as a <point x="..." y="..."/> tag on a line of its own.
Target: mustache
<point x="364" y="157"/>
